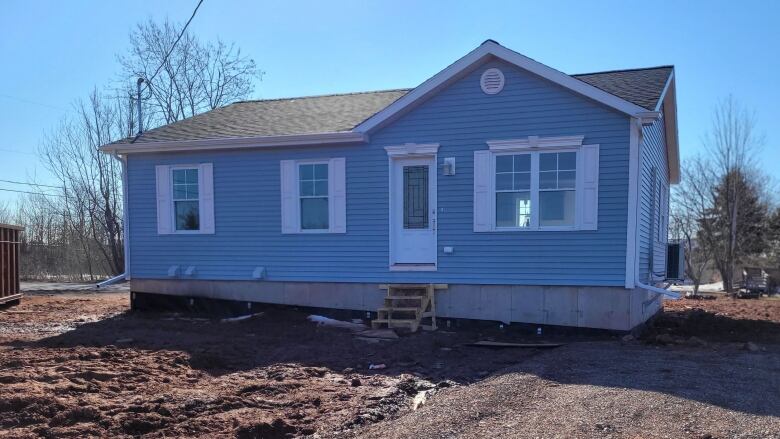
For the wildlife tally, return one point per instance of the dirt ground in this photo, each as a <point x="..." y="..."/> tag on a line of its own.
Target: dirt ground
<point x="79" y="364"/>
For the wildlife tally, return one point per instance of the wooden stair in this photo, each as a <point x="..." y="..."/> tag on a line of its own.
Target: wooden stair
<point x="405" y="307"/>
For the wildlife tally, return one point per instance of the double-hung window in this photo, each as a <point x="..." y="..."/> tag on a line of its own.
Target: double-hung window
<point x="536" y="184"/>
<point x="513" y="190"/>
<point x="314" y="196"/>
<point x="557" y="188"/>
<point x="313" y="193"/>
<point x="186" y="204"/>
<point x="185" y="199"/>
<point x="535" y="190"/>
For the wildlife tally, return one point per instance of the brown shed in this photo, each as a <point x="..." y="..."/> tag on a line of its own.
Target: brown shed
<point x="9" y="263"/>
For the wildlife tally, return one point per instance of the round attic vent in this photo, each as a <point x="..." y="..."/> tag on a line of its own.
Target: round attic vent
<point x="492" y="81"/>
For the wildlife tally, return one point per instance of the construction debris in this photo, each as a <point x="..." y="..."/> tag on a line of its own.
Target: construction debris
<point x="325" y="321"/>
<point x="239" y="318"/>
<point x="386" y="334"/>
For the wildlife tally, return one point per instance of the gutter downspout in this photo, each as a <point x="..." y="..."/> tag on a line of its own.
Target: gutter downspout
<point x="638" y="123"/>
<point x="125" y="227"/>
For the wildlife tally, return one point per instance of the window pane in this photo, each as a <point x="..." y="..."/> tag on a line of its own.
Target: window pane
<point x="567" y="160"/>
<point x="567" y="179"/>
<point x="179" y="191"/>
<point x="314" y="213"/>
<point x="179" y="176"/>
<point x="187" y="216"/>
<point x="548" y="162"/>
<point x="513" y="209"/>
<point x="556" y="208"/>
<point x="307" y="188"/>
<point x="416" y="197"/>
<point x="321" y="171"/>
<point x="522" y="181"/>
<point x="523" y="163"/>
<point x="306" y="172"/>
<point x="504" y="182"/>
<point x="192" y="191"/>
<point x="321" y="187"/>
<point x="504" y="163"/>
<point x="547" y="180"/>
<point x="192" y="176"/>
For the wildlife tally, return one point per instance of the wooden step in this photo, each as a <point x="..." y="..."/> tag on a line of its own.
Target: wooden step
<point x="404" y="297"/>
<point x="399" y="309"/>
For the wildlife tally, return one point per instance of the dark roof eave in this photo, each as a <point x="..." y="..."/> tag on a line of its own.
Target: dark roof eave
<point x="312" y="139"/>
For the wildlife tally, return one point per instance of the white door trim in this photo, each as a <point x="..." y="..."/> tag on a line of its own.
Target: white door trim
<point x="411" y="151"/>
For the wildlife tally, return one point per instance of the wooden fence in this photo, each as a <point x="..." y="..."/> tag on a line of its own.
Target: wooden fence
<point x="9" y="263"/>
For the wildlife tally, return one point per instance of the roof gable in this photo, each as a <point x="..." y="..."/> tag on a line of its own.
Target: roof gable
<point x="477" y="56"/>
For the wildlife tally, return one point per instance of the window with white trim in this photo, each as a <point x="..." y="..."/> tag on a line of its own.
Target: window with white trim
<point x="186" y="201"/>
<point x="513" y="190"/>
<point x="557" y="188"/>
<point x="535" y="190"/>
<point x="536" y="184"/>
<point x="313" y="195"/>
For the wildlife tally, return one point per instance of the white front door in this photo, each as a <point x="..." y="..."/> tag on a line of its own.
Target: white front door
<point x="413" y="212"/>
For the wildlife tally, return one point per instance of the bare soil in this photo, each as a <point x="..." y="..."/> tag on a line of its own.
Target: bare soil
<point x="722" y="319"/>
<point x="80" y="364"/>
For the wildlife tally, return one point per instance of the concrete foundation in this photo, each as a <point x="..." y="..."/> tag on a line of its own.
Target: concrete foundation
<point x="613" y="308"/>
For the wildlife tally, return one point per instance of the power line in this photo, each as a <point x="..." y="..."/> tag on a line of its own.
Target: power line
<point x="32" y="193"/>
<point x="184" y="29"/>
<point x="27" y="101"/>
<point x="30" y="184"/>
<point x="16" y="151"/>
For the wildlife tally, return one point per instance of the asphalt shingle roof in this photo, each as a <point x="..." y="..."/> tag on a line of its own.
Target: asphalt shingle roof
<point x="342" y="112"/>
<point x="642" y="87"/>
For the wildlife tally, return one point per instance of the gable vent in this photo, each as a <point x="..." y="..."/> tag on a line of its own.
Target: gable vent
<point x="492" y="81"/>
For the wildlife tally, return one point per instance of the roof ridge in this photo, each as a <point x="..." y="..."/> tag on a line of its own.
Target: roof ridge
<point x="667" y="66"/>
<point x="322" y="95"/>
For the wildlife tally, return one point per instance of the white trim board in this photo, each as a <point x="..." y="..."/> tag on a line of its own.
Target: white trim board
<point x="535" y="142"/>
<point x="484" y="51"/>
<point x="632" y="235"/>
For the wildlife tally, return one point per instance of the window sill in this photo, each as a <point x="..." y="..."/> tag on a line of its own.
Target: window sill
<point x="536" y="229"/>
<point x="413" y="267"/>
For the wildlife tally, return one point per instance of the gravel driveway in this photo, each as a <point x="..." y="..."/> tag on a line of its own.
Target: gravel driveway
<point x="609" y="389"/>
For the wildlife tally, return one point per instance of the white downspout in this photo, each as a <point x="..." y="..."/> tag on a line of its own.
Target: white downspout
<point x="125" y="227"/>
<point x="637" y="282"/>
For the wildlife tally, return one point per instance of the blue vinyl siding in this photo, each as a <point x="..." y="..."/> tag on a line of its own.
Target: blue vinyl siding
<point x="651" y="244"/>
<point x="461" y="119"/>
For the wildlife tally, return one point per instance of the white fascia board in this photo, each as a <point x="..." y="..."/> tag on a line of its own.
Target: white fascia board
<point x="490" y="48"/>
<point x="340" y="138"/>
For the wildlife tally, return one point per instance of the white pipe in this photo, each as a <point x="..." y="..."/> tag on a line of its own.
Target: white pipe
<point x="665" y="292"/>
<point x="125" y="228"/>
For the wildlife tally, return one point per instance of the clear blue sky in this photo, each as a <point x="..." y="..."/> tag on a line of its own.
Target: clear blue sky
<point x="53" y="52"/>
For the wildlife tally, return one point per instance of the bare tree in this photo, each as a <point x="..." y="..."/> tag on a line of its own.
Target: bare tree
<point x="195" y="76"/>
<point x="91" y="194"/>
<point x="82" y="222"/>
<point x="690" y="200"/>
<point x="722" y="191"/>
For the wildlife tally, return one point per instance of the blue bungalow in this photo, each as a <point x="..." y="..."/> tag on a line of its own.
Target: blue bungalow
<point x="523" y="194"/>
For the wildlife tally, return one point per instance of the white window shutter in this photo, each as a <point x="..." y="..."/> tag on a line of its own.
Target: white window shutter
<point x="338" y="195"/>
<point x="206" y="199"/>
<point x="164" y="211"/>
<point x="289" y="194"/>
<point x="483" y="215"/>
<point x="589" y="188"/>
